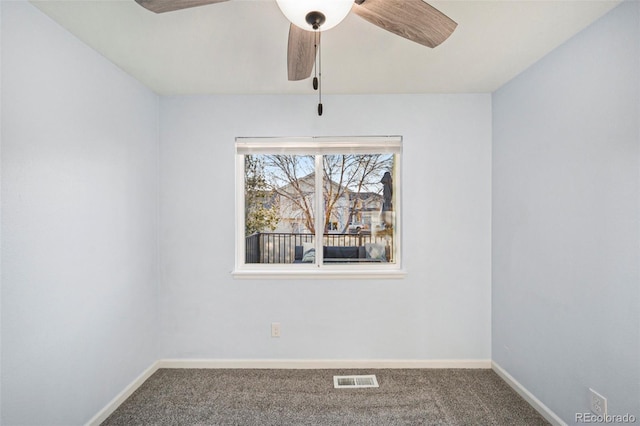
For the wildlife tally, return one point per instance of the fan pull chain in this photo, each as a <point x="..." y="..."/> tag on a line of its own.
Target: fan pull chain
<point x="315" y="63"/>
<point x="317" y="70"/>
<point x="319" y="74"/>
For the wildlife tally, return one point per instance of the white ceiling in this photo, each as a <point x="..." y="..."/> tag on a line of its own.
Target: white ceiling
<point x="240" y="46"/>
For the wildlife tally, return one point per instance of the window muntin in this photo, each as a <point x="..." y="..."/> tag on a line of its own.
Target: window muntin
<point x="355" y="183"/>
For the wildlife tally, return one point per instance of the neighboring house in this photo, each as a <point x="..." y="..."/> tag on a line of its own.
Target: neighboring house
<point x="366" y="211"/>
<point x="297" y="205"/>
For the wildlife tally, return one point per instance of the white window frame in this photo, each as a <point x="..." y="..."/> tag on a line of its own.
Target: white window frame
<point x="317" y="146"/>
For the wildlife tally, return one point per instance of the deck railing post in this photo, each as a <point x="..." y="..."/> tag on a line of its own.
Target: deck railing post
<point x="258" y="247"/>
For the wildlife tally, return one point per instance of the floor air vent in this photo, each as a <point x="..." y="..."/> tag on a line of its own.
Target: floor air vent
<point x="353" y="382"/>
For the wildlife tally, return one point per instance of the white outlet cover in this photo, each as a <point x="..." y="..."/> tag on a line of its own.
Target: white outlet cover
<point x="597" y="403"/>
<point x="275" y="329"/>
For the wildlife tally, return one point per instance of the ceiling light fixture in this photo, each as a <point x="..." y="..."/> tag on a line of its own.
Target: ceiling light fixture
<point x="316" y="16"/>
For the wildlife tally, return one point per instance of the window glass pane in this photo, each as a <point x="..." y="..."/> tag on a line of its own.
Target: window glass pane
<point x="279" y="208"/>
<point x="358" y="209"/>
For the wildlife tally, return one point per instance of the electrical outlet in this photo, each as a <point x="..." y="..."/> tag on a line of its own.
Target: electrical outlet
<point x="597" y="403"/>
<point x="275" y="329"/>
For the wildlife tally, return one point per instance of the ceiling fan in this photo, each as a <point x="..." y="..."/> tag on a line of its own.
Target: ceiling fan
<point x="414" y="20"/>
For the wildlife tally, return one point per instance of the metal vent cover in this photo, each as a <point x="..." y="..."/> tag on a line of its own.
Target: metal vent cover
<point x="354" y="382"/>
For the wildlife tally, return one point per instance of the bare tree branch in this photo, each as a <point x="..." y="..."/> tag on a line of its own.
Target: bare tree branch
<point x="345" y="177"/>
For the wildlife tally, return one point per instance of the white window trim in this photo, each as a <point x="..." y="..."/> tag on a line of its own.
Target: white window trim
<point x="316" y="146"/>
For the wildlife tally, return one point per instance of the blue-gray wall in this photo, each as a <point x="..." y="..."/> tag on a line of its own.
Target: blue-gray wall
<point x="565" y="221"/>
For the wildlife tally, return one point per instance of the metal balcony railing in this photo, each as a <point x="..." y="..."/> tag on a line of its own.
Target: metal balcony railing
<point x="268" y="247"/>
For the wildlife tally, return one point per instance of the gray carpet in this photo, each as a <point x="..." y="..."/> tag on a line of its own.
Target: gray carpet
<point x="307" y="397"/>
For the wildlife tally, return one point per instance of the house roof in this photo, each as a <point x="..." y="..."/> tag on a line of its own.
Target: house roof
<point x="309" y="177"/>
<point x="240" y="46"/>
<point x="365" y="196"/>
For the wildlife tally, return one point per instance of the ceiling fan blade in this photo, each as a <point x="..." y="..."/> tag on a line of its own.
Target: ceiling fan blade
<point x="412" y="19"/>
<point x="161" y="6"/>
<point x="301" y="53"/>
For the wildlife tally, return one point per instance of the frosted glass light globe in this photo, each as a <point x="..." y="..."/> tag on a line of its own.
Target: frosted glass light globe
<point x="334" y="11"/>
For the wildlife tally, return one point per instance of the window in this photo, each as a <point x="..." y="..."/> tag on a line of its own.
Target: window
<point x="318" y="207"/>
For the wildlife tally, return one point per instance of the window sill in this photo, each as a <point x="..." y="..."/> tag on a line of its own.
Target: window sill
<point x="320" y="274"/>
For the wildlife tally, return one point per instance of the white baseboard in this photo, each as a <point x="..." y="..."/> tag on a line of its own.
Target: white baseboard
<point x="528" y="396"/>
<point x="122" y="396"/>
<point x="322" y="363"/>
